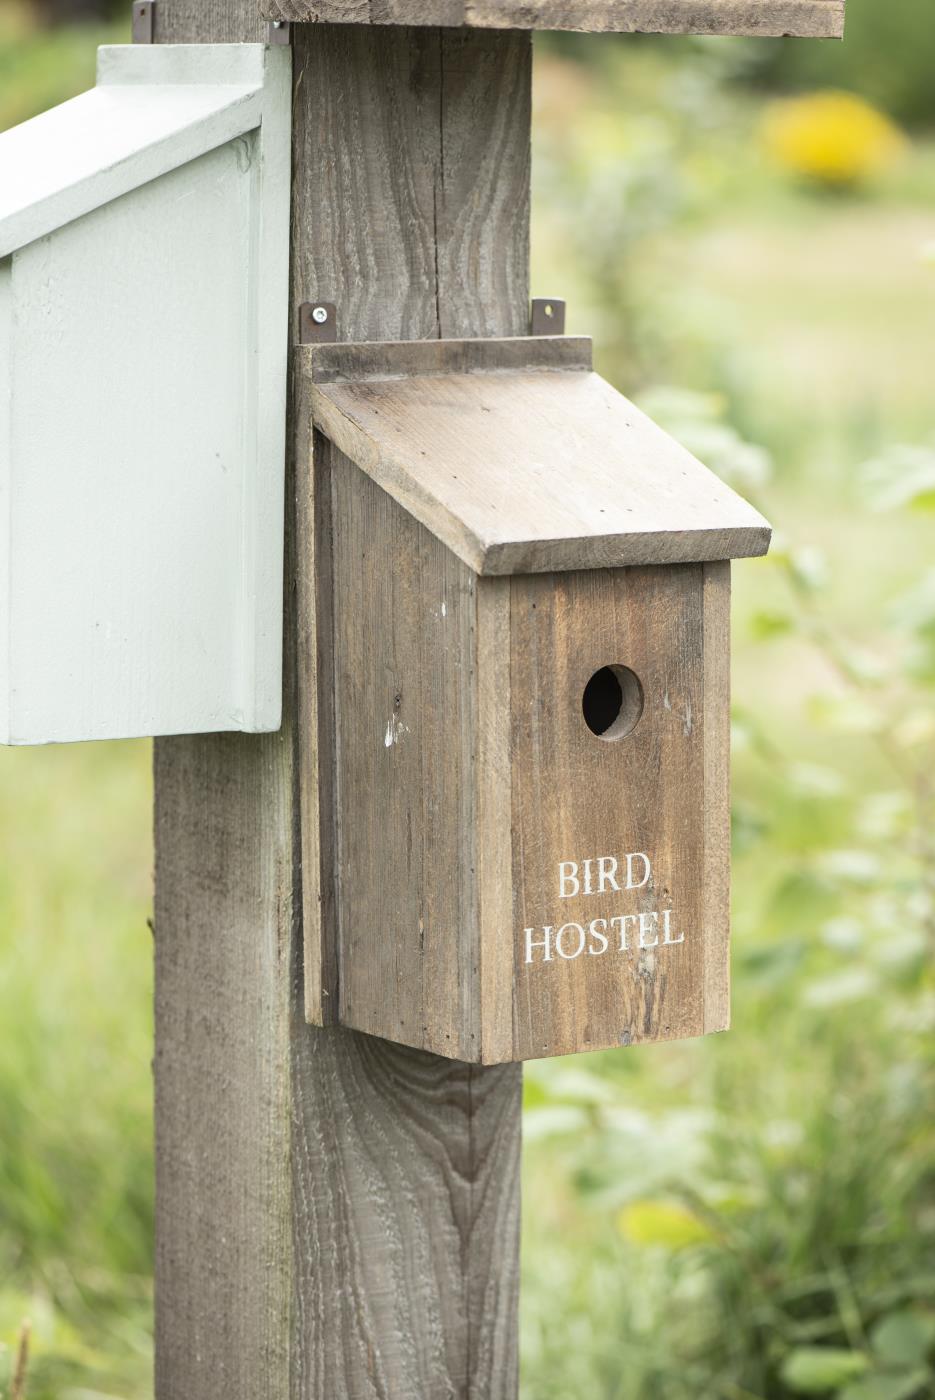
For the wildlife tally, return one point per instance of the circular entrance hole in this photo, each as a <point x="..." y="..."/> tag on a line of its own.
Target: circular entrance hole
<point x="613" y="702"/>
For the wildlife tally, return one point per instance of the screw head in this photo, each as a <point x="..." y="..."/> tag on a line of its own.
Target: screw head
<point x="319" y="316"/>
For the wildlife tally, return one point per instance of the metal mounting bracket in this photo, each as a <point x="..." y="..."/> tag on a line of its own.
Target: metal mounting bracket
<point x="548" y="316"/>
<point x="279" y="31"/>
<point x="142" y="21"/>
<point x="318" y="323"/>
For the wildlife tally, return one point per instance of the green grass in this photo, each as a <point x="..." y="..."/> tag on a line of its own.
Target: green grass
<point x="699" y="1218"/>
<point x="75" y="1093"/>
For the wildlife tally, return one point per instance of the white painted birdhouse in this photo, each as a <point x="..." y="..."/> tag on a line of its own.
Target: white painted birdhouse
<point x="143" y="339"/>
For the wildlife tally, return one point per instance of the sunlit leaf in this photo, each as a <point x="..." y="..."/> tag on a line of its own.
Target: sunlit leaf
<point x="904" y="1338"/>
<point x="815" y="780"/>
<point x="664" y="1223"/>
<point x="856" y="984"/>
<point x="808" y="568"/>
<point x="884" y="815"/>
<point x="845" y="714"/>
<point x="767" y="626"/>
<point x="556" y="1120"/>
<point x="898" y="1385"/>
<point x="818" y="1370"/>
<point x="579" y="1086"/>
<point x="862" y="665"/>
<point x="855" y="866"/>
<point x="843" y="935"/>
<point x="902" y="476"/>
<point x="918" y="727"/>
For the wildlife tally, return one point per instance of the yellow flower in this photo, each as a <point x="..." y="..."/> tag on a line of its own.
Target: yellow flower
<point x="833" y="137"/>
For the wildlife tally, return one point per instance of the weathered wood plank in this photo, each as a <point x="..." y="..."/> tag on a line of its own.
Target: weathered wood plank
<point x="644" y="794"/>
<point x="821" y="19"/>
<point x="359" y="364"/>
<point x="717" y="595"/>
<point x="529" y="470"/>
<point x="493" y="779"/>
<point x="405" y="798"/>
<point x="338" y="1218"/>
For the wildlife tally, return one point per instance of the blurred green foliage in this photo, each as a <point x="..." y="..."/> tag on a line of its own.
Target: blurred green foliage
<point x="886" y="57"/>
<point x="750" y="1217"/>
<point x="42" y="66"/>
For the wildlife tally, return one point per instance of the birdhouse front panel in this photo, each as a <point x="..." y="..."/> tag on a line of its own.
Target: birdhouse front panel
<point x="518" y="618"/>
<point x="619" y="806"/>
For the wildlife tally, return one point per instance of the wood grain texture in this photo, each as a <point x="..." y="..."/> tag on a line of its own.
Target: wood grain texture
<point x="421" y="809"/>
<point x="717" y="655"/>
<point x="337" y="1218"/>
<point x="823" y="19"/>
<point x="468" y="782"/>
<point x="406" y="818"/>
<point x="493" y="782"/>
<point x="577" y="796"/>
<point x="526" y="466"/>
<point x="409" y="359"/>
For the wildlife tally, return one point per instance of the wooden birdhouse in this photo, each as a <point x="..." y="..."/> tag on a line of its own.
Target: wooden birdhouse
<point x="144" y="233"/>
<point x="522" y="589"/>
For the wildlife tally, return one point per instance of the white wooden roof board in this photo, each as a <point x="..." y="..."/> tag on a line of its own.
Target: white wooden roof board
<point x="154" y="108"/>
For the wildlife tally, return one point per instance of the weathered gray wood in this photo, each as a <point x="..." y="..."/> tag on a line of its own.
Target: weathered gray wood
<point x="337" y="1217"/>
<point x="468" y="780"/>
<point x="717" y="593"/>
<point x="408" y="359"/>
<point x="207" y="22"/>
<point x="646" y="793"/>
<point x="522" y="461"/>
<point x="823" y="19"/>
<point x="406" y="810"/>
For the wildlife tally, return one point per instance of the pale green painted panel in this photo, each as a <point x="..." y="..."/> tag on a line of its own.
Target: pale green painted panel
<point x="142" y="402"/>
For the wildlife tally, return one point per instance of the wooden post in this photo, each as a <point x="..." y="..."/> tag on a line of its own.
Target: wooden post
<point x="337" y="1217"/>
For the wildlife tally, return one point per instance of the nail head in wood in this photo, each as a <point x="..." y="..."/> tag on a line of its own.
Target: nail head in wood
<point x="318" y="323"/>
<point x="548" y="316"/>
<point x="143" y="17"/>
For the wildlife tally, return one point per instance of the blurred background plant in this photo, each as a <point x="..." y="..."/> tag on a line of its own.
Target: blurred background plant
<point x="750" y="1217"/>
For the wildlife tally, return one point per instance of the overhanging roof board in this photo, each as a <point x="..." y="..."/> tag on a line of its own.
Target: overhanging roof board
<point x="521" y="459"/>
<point x="814" y="19"/>
<point x="155" y="107"/>
<point x="144" y="292"/>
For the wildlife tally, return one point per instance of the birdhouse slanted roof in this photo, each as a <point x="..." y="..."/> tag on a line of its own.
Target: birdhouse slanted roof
<point x="521" y="459"/>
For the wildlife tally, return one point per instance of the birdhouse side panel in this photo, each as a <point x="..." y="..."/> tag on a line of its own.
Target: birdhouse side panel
<point x="406" y="814"/>
<point x="616" y="885"/>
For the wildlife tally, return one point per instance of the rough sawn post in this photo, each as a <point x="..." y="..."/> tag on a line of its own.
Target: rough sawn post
<point x="337" y="1217"/>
